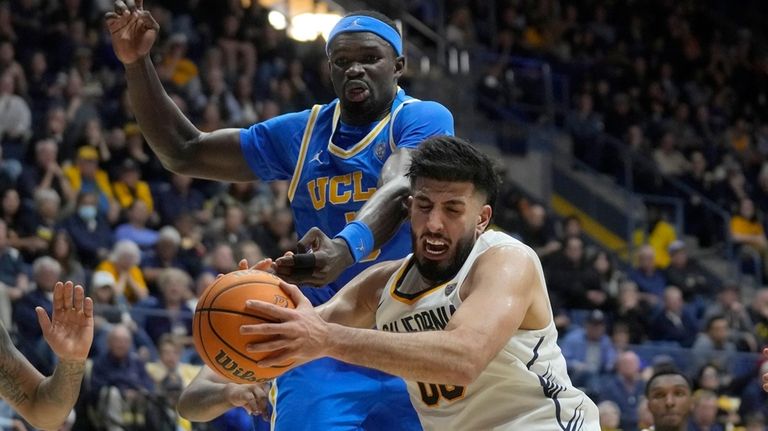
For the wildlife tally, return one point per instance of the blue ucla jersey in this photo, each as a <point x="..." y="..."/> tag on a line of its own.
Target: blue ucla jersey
<point x="334" y="168"/>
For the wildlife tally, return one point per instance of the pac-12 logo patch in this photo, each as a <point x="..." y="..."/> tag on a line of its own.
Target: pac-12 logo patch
<point x="450" y="288"/>
<point x="380" y="150"/>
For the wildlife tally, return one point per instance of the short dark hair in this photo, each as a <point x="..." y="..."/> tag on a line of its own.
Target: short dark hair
<point x="666" y="371"/>
<point x="375" y="14"/>
<point x="448" y="158"/>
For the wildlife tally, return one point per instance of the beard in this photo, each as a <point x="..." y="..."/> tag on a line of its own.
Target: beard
<point x="442" y="271"/>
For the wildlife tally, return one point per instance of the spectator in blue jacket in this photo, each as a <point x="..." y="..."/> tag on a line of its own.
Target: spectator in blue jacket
<point x="625" y="388"/>
<point x="589" y="352"/>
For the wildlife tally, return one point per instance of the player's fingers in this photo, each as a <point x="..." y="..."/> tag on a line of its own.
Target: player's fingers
<point x="263" y="265"/>
<point x="277" y="359"/>
<point x="131" y="4"/>
<point x="88" y="307"/>
<point x="69" y="295"/>
<point x="267" y="346"/>
<point x="120" y="7"/>
<point x="262" y="329"/>
<point x="268" y="311"/>
<point x="294" y="293"/>
<point x="243" y="264"/>
<point x="148" y="21"/>
<point x="43" y="319"/>
<point x="765" y="351"/>
<point x="58" y="296"/>
<point x="79" y="298"/>
<point x="139" y="4"/>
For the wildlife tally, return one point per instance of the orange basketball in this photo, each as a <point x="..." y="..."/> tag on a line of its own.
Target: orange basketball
<point x="218" y="316"/>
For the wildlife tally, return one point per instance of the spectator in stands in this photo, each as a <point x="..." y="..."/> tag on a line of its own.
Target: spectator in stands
<point x="278" y="235"/>
<point x="34" y="237"/>
<point x="93" y="136"/>
<point x="632" y="311"/>
<point x="672" y="322"/>
<point x="585" y="127"/>
<point x="570" y="277"/>
<point x="688" y="275"/>
<point x="89" y="230"/>
<point x="716" y="337"/>
<point x="704" y="412"/>
<point x="625" y="388"/>
<point x="123" y="264"/>
<point x="167" y="253"/>
<point x="747" y="232"/>
<point x="109" y="308"/>
<point x="735" y="188"/>
<point x="130" y="188"/>
<point x="178" y="199"/>
<point x="588" y="352"/>
<point x="45" y="173"/>
<point x="649" y="279"/>
<point x="119" y="382"/>
<point x="712" y="378"/>
<point x="86" y="176"/>
<point x="13" y="279"/>
<point x="15" y="114"/>
<point x="699" y="221"/>
<point x="15" y="215"/>
<point x="135" y="228"/>
<point x="256" y="198"/>
<point x="536" y="230"/>
<point x="754" y="400"/>
<point x="45" y="273"/>
<point x="729" y="306"/>
<point x="668" y="158"/>
<point x="609" y="416"/>
<point x="758" y="312"/>
<point x="229" y="230"/>
<point x="610" y="277"/>
<point x="63" y="250"/>
<point x="221" y="260"/>
<point x="169" y="314"/>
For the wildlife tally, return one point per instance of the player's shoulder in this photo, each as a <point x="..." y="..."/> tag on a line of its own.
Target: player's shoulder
<point x="384" y="270"/>
<point x="495" y="246"/>
<point x="426" y="109"/>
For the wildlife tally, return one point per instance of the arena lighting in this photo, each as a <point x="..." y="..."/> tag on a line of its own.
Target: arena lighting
<point x="306" y="27"/>
<point x="277" y="20"/>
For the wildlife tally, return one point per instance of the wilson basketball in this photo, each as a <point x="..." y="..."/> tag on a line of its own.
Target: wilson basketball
<point x="219" y="314"/>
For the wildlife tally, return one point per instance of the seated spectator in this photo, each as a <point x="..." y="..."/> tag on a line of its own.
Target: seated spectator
<point x="758" y="312"/>
<point x="632" y="312"/>
<point x="89" y="230"/>
<point x="686" y="274"/>
<point x="716" y="336"/>
<point x="704" y="412"/>
<point x="123" y="264"/>
<point x="167" y="253"/>
<point x="672" y="322"/>
<point x="63" y="250"/>
<point x="17" y="217"/>
<point x="625" y="388"/>
<point x="729" y="306"/>
<point x="135" y="228"/>
<point x="230" y="230"/>
<point x="649" y="279"/>
<point x="85" y="176"/>
<point x="754" y="400"/>
<point x="13" y="279"/>
<point x="15" y="114"/>
<point x="119" y="383"/>
<point x="588" y="352"/>
<point x="35" y="236"/>
<point x="537" y="231"/>
<point x="178" y="198"/>
<point x="610" y="277"/>
<point x="255" y="197"/>
<point x="221" y="260"/>
<point x="45" y="173"/>
<point x="660" y="234"/>
<point x="747" y="232"/>
<point x="171" y="377"/>
<point x="668" y="158"/>
<point x="45" y="273"/>
<point x="169" y="313"/>
<point x="609" y="416"/>
<point x="570" y="277"/>
<point x="130" y="187"/>
<point x="278" y="235"/>
<point x="712" y="378"/>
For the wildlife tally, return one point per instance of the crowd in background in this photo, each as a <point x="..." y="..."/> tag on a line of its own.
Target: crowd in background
<point x="83" y="198"/>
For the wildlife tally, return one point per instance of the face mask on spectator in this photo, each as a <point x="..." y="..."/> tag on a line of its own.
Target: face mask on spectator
<point x="87" y="212"/>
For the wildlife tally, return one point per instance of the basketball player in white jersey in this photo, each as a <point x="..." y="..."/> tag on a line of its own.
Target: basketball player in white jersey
<point x="465" y="319"/>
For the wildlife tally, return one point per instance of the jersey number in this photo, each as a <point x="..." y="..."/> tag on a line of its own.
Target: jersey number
<point x="349" y="216"/>
<point x="431" y="393"/>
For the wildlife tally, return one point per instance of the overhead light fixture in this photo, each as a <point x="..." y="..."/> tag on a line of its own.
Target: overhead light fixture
<point x="307" y="27"/>
<point x="277" y="20"/>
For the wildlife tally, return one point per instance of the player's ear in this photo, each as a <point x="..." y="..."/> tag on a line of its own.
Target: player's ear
<point x="408" y="205"/>
<point x="484" y="218"/>
<point x="399" y="66"/>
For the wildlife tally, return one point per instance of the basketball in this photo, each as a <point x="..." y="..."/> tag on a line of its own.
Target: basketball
<point x="219" y="314"/>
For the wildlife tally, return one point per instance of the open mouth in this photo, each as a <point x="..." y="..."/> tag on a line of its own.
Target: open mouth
<point x="356" y="92"/>
<point x="435" y="248"/>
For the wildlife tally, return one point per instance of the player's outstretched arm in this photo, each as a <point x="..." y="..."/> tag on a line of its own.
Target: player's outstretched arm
<point x="45" y="402"/>
<point x="383" y="214"/>
<point x="497" y="296"/>
<point x="209" y="396"/>
<point x="181" y="147"/>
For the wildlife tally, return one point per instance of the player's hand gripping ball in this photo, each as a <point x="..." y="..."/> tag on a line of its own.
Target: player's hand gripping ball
<point x="219" y="314"/>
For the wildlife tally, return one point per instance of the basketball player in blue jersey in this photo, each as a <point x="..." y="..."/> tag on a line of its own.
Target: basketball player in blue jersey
<point x="345" y="162"/>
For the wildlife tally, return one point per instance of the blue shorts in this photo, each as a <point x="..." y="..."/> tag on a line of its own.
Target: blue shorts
<point x="327" y="394"/>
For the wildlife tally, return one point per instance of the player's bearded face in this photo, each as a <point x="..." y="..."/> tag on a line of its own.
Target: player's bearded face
<point x="439" y="271"/>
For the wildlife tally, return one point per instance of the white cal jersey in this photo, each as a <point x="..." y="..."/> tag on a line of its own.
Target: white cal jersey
<point x="525" y="387"/>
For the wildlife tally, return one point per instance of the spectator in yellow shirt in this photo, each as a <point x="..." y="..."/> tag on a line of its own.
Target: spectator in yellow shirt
<point x="123" y="264"/>
<point x="86" y="176"/>
<point x="130" y="187"/>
